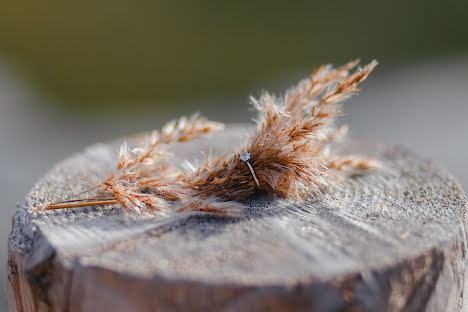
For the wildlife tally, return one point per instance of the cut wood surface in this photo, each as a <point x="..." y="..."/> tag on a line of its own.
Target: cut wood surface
<point x="392" y="240"/>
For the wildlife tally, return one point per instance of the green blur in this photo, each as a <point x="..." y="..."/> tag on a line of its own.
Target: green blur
<point x="104" y="55"/>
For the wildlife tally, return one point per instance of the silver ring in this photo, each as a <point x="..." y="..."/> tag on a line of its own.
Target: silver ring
<point x="245" y="156"/>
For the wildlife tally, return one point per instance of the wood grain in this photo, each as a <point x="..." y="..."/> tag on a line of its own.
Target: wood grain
<point x="394" y="240"/>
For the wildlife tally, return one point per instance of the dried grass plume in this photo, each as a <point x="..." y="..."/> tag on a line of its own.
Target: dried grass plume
<point x="287" y="156"/>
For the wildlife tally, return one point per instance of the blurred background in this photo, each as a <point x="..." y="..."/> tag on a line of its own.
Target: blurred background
<point x="76" y="72"/>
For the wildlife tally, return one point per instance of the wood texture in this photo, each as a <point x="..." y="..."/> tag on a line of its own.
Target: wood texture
<point x="394" y="240"/>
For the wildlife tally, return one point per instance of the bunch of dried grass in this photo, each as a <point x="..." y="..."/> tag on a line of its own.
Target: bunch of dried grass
<point x="287" y="156"/>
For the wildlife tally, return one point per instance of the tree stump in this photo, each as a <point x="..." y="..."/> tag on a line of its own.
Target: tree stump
<point x="393" y="240"/>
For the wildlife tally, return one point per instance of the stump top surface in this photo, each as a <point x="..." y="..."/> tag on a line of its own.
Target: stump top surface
<point x="375" y="220"/>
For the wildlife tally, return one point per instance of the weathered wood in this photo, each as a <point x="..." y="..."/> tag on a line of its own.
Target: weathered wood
<point x="392" y="240"/>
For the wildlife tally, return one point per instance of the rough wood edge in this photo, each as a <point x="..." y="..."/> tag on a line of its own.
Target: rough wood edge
<point x="408" y="286"/>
